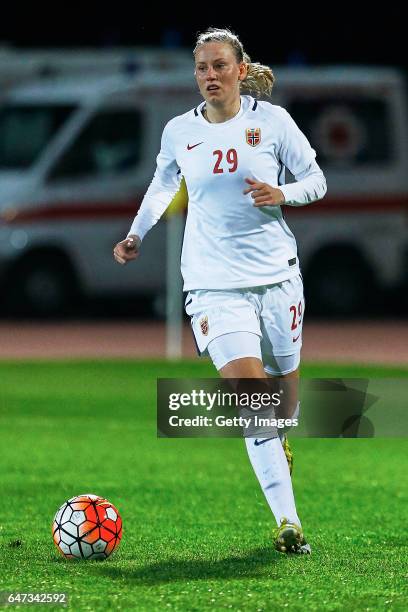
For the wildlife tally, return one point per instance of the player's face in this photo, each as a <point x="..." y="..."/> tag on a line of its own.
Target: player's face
<point x="218" y="73"/>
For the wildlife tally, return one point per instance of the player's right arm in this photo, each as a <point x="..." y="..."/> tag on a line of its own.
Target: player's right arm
<point x="162" y="189"/>
<point x="127" y="249"/>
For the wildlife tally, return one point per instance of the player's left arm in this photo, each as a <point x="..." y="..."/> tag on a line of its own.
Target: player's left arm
<point x="298" y="156"/>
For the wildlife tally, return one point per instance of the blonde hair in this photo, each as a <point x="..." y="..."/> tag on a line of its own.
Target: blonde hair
<point x="259" y="79"/>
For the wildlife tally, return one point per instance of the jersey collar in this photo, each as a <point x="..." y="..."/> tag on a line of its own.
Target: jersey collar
<point x="247" y="102"/>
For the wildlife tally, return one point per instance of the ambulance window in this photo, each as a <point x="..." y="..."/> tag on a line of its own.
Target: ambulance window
<point x="346" y="132"/>
<point x="25" y="131"/>
<point x="109" y="144"/>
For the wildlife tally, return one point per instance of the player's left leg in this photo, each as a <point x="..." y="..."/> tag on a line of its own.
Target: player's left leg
<point x="283" y="307"/>
<point x="286" y="369"/>
<point x="281" y="326"/>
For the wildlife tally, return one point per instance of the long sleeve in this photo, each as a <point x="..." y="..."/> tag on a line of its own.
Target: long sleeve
<point x="162" y="189"/>
<point x="310" y="186"/>
<point x="299" y="157"/>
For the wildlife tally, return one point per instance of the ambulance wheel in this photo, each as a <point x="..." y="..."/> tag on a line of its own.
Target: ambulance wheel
<point x="339" y="282"/>
<point x="43" y="285"/>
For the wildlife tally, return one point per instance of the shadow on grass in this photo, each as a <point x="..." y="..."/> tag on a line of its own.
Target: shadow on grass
<point x="251" y="565"/>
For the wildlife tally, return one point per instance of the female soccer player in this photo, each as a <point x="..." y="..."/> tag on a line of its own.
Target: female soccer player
<point x="239" y="259"/>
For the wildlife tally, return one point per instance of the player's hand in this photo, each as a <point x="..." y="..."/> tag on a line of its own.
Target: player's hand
<point x="264" y="194"/>
<point x="127" y="250"/>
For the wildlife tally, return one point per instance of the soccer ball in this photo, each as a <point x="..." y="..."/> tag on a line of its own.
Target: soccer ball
<point x="87" y="527"/>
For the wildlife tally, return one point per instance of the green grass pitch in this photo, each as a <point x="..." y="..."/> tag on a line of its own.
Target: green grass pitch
<point x="197" y="531"/>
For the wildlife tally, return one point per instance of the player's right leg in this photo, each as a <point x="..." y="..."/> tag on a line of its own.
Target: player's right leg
<point x="267" y="455"/>
<point x="226" y="326"/>
<point x="289" y="538"/>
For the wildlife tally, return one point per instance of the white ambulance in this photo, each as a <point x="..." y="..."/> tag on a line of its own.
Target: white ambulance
<point x="76" y="156"/>
<point x="78" y="152"/>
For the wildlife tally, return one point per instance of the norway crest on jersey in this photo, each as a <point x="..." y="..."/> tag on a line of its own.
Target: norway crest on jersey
<point x="253" y="136"/>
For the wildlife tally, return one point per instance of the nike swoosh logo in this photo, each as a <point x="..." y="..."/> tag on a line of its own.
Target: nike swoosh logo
<point x="259" y="442"/>
<point x="192" y="146"/>
<point x="297" y="338"/>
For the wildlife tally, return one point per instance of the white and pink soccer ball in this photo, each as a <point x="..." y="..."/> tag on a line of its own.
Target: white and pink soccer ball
<point x="87" y="527"/>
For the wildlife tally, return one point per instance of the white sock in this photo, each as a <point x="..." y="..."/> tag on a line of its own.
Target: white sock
<point x="271" y="468"/>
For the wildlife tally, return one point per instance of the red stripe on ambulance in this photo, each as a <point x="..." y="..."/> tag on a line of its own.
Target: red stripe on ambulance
<point x="74" y="212"/>
<point x="97" y="211"/>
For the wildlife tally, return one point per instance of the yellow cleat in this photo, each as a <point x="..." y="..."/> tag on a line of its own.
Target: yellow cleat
<point x="289" y="539"/>
<point x="288" y="452"/>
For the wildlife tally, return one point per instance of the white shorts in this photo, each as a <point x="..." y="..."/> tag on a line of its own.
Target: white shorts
<point x="273" y="313"/>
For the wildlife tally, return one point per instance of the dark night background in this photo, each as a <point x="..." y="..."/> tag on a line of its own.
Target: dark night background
<point x="274" y="34"/>
<point x="271" y="34"/>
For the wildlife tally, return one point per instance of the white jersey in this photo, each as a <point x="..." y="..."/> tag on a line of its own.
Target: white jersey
<point x="228" y="243"/>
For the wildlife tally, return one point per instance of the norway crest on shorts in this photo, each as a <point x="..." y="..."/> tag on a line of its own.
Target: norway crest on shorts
<point x="204" y="325"/>
<point x="253" y="136"/>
